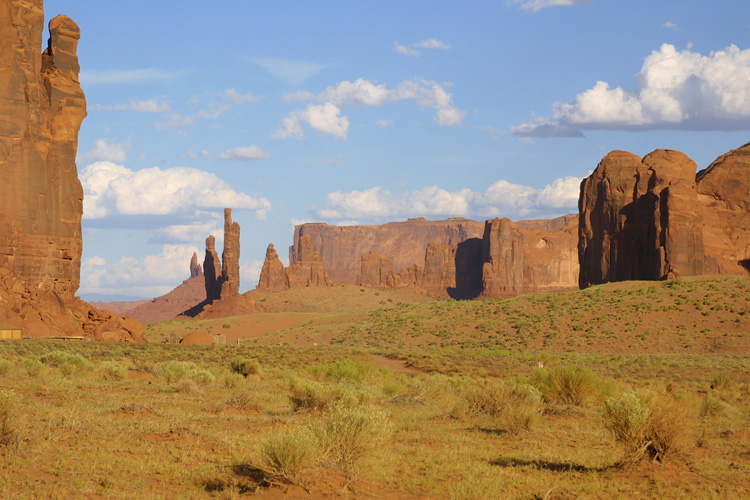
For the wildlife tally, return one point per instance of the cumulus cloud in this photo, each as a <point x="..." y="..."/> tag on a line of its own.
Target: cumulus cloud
<point x="192" y="154"/>
<point x="501" y="199"/>
<point x="674" y="90"/>
<point x="250" y="273"/>
<point x="147" y="277"/>
<point x="149" y="106"/>
<point x="364" y="93"/>
<point x="212" y="106"/>
<point x="432" y="43"/>
<point x="495" y="133"/>
<point x="404" y="50"/>
<point x="534" y="6"/>
<point x="325" y="118"/>
<point x="111" y="189"/>
<point x="106" y="151"/>
<point x="242" y="153"/>
<point x="384" y="123"/>
<point x="670" y="25"/>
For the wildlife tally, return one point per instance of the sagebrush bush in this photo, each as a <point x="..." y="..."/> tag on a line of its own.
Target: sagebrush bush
<point x="9" y="431"/>
<point x="308" y="395"/>
<point x="286" y="454"/>
<point x="5" y="366"/>
<point x="346" y="370"/>
<point x="711" y="406"/>
<point x="515" y="406"/>
<point x="347" y="432"/>
<point x="722" y="383"/>
<point x="648" y="427"/>
<point x="177" y="371"/>
<point x="246" y="367"/>
<point x="68" y="363"/>
<point x="113" y="370"/>
<point x="32" y="366"/>
<point x="567" y="385"/>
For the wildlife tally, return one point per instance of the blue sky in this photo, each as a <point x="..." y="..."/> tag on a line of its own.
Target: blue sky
<point x="368" y="112"/>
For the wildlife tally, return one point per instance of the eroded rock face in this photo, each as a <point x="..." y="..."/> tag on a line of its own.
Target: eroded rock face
<point x="195" y="268"/>
<point x="230" y="257"/>
<point x="502" y="271"/>
<point x="405" y="243"/>
<point x="42" y="107"/>
<point x="41" y="110"/>
<point x="375" y="270"/>
<point x="272" y="276"/>
<point x="308" y="269"/>
<point x="211" y="264"/>
<point x="654" y="218"/>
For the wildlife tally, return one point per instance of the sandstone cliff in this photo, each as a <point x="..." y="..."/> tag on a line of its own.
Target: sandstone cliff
<point x="41" y="110"/>
<point x="308" y="270"/>
<point x="654" y="218"/>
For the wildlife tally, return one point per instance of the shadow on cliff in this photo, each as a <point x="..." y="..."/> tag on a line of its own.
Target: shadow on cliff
<point x="469" y="262"/>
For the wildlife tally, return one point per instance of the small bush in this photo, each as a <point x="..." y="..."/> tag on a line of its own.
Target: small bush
<point x="568" y="385"/>
<point x="308" y="395"/>
<point x="177" y="371"/>
<point x="649" y="428"/>
<point x="112" y="370"/>
<point x="232" y="380"/>
<point x="513" y="405"/>
<point x="348" y="432"/>
<point x="285" y="455"/>
<point x="32" y="366"/>
<point x="711" y="406"/>
<point x="68" y="363"/>
<point x="346" y="370"/>
<point x="9" y="435"/>
<point x="722" y="383"/>
<point x="246" y="367"/>
<point x="5" y="366"/>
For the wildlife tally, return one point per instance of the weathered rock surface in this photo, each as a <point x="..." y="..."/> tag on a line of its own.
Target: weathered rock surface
<point x="272" y="275"/>
<point x="195" y="268"/>
<point x="308" y="269"/>
<point x="654" y="218"/>
<point x="405" y="243"/>
<point x="374" y="270"/>
<point x="502" y="270"/>
<point x="222" y="290"/>
<point x="41" y="199"/>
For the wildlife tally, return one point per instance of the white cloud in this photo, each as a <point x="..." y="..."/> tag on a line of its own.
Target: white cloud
<point x="384" y="123"/>
<point x="250" y="273"/>
<point x="501" y="199"/>
<point x="495" y="133"/>
<point x="432" y="43"/>
<point x="244" y="153"/>
<point x="106" y="151"/>
<point x="325" y="118"/>
<point x="364" y="93"/>
<point x="175" y="120"/>
<point x="670" y="25"/>
<point x="127" y="76"/>
<point x="404" y="50"/>
<point x="148" y="276"/>
<point x="149" y="106"/>
<point x="111" y="189"/>
<point x="192" y="154"/>
<point x="221" y="102"/>
<point x="534" y="6"/>
<point x="674" y="90"/>
<point x="288" y="71"/>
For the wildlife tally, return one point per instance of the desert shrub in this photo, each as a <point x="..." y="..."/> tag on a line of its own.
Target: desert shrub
<point x="515" y="406"/>
<point x="242" y="401"/>
<point x="567" y="385"/>
<point x="722" y="383"/>
<point x="5" y="366"/>
<point x="347" y="432"/>
<point x="308" y="395"/>
<point x="177" y="371"/>
<point x="246" y="367"/>
<point x="474" y="486"/>
<point x="346" y="370"/>
<point x="285" y="455"/>
<point x="113" y="370"/>
<point x="232" y="380"/>
<point x="9" y="432"/>
<point x="32" y="366"/>
<point x="711" y="406"/>
<point x="425" y="390"/>
<point x="68" y="363"/>
<point x="648" y="428"/>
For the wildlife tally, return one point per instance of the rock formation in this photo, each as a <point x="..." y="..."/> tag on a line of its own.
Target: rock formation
<point x="439" y="268"/>
<point x="222" y="290"/>
<point x="405" y="243"/>
<point x="375" y="270"/>
<point x="654" y="218"/>
<point x="41" y="199"/>
<point x="272" y="275"/>
<point x="503" y="259"/>
<point x="188" y="294"/>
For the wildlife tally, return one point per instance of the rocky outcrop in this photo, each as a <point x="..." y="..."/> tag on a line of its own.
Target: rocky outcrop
<point x="308" y="269"/>
<point x="405" y="243"/>
<point x="222" y="290"/>
<point x="42" y="109"/>
<point x="439" y="268"/>
<point x="41" y="199"/>
<point x="272" y="275"/>
<point x="375" y="270"/>
<point x="654" y="218"/>
<point x="188" y="294"/>
<point x="503" y="259"/>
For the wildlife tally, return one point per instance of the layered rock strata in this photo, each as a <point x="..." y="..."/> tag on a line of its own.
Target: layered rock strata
<point x="655" y="218"/>
<point x="41" y="199"/>
<point x="307" y="271"/>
